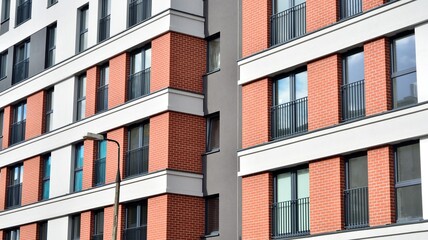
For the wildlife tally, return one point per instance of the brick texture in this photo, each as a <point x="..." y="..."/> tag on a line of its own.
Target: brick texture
<point x="324" y="80"/>
<point x="108" y="222"/>
<point x="255" y="26"/>
<point x="320" y="14"/>
<point x="1" y="234"/>
<point x="256" y="102"/>
<point x="381" y="186"/>
<point x="7" y="117"/>
<point x="29" y="232"/>
<point x="369" y="4"/>
<point x="35" y="115"/>
<point x="119" y="71"/>
<point x="88" y="164"/>
<point x="257" y="197"/>
<point x="377" y="76"/>
<point x="169" y="147"/>
<point x="121" y="136"/>
<point x="175" y="217"/>
<point x="92" y="76"/>
<point x="31" y="187"/>
<point x="326" y="182"/>
<point x="3" y="185"/>
<point x="86" y="224"/>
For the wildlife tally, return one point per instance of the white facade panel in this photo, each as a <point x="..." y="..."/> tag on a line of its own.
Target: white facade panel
<point x="58" y="228"/>
<point x="421" y="38"/>
<point x="63" y="104"/>
<point x="61" y="168"/>
<point x="423" y="144"/>
<point x="118" y="17"/>
<point x="93" y="23"/>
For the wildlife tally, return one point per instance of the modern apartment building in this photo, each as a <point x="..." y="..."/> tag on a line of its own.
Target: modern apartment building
<point x="158" y="77"/>
<point x="334" y="119"/>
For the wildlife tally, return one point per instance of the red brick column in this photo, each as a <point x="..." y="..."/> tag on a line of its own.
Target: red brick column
<point x="327" y="183"/>
<point x="257" y="198"/>
<point x="119" y="71"/>
<point x="28" y="231"/>
<point x="324" y="80"/>
<point x="31" y="181"/>
<point x="88" y="164"/>
<point x="256" y="102"/>
<point x="3" y="184"/>
<point x="7" y="119"/>
<point x="320" y="14"/>
<point x="120" y="135"/>
<point x="86" y="225"/>
<point x="1" y="234"/>
<point x="369" y="4"/>
<point x="381" y="186"/>
<point x="255" y="26"/>
<point x="92" y="78"/>
<point x="377" y="75"/>
<point x="178" y="61"/>
<point x="35" y="115"/>
<point x="108" y="222"/>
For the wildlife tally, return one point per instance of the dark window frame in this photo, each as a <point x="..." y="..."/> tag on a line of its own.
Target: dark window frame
<point x="49" y="96"/>
<point x="145" y="13"/>
<point x="141" y="150"/>
<point x="15" y="231"/>
<point x="216" y="66"/>
<point x="141" y="224"/>
<point x="81" y="97"/>
<point x="46" y="176"/>
<point x="23" y="5"/>
<point x="209" y="140"/>
<point x="18" y="124"/>
<point x="102" y="88"/>
<point x="43" y="230"/>
<point x="98" y="216"/>
<point x="100" y="162"/>
<point x="21" y="63"/>
<point x="139" y="78"/>
<point x="15" y="187"/>
<point x="104" y="20"/>
<point x="1" y="128"/>
<point x="51" y="45"/>
<point x="52" y="2"/>
<point x="5" y="12"/>
<point x="76" y="169"/>
<point x="75" y="219"/>
<point x="83" y="28"/>
<point x="209" y="215"/>
<point x="3" y="64"/>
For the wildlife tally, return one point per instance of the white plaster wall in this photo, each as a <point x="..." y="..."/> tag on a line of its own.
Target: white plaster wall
<point x="118" y="16"/>
<point x="61" y="164"/>
<point x="58" y="228"/>
<point x="160" y="5"/>
<point x="93" y="22"/>
<point x="423" y="144"/>
<point x="63" y="107"/>
<point x="421" y="38"/>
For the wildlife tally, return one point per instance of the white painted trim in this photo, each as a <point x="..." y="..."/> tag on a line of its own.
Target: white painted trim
<point x="423" y="146"/>
<point x="156" y="183"/>
<point x="379" y="22"/>
<point x="155" y="103"/>
<point x="392" y="127"/>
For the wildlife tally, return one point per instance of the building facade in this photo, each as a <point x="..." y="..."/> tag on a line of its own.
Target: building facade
<point x="158" y="77"/>
<point x="334" y="109"/>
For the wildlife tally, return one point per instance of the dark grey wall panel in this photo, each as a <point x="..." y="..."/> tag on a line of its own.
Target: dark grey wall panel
<point x="37" y="52"/>
<point x="7" y="82"/>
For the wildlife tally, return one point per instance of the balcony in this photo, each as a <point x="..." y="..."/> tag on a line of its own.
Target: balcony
<point x="356" y="208"/>
<point x="136" y="233"/>
<point x="139" y="84"/>
<point x="139" y="10"/>
<point x="97" y="237"/>
<point x="102" y="98"/>
<point x="289" y="118"/>
<point x="137" y="161"/>
<point x="100" y="171"/>
<point x="350" y="8"/>
<point x="14" y="193"/>
<point x="20" y="71"/>
<point x="353" y="100"/>
<point x="104" y="31"/>
<point x="17" y="132"/>
<point x="23" y="12"/>
<point x="290" y="218"/>
<point x="288" y="24"/>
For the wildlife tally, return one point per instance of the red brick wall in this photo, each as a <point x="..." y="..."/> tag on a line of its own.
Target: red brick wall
<point x="255" y="26"/>
<point x="7" y="117"/>
<point x="256" y="102"/>
<point x="31" y="181"/>
<point x="381" y="186"/>
<point x="86" y="225"/>
<point x="326" y="184"/>
<point x="88" y="164"/>
<point x="119" y="71"/>
<point x="157" y="217"/>
<point x="320" y="14"/>
<point x="108" y="222"/>
<point x="3" y="185"/>
<point x="324" y="80"/>
<point x="28" y="232"/>
<point x="120" y="135"/>
<point x="369" y="4"/>
<point x="377" y="76"/>
<point x="1" y="234"/>
<point x="92" y="76"/>
<point x="35" y="115"/>
<point x="257" y="197"/>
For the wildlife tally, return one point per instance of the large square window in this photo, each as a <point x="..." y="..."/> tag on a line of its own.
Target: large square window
<point x="139" y="10"/>
<point x="136" y="220"/>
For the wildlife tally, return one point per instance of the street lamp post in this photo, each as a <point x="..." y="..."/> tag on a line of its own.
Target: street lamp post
<point x="99" y="137"/>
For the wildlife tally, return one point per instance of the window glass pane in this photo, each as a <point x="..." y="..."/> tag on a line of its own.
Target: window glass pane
<point x="283" y="91"/>
<point x="405" y="54"/>
<point x="408" y="163"/>
<point x="47" y="167"/>
<point x="99" y="222"/>
<point x="405" y="90"/>
<point x="212" y="211"/>
<point x="357" y="170"/>
<point x="282" y="5"/>
<point x="354" y="68"/>
<point x="45" y="194"/>
<point x="301" y="85"/>
<point x="132" y="216"/>
<point x="148" y="58"/>
<point x="214" y="133"/>
<point x="102" y="149"/>
<point x="79" y="157"/>
<point x="146" y="134"/>
<point x="283" y="187"/>
<point x="409" y="203"/>
<point x="214" y="54"/>
<point x="137" y="63"/>
<point x="303" y="183"/>
<point x="75" y="235"/>
<point x="78" y="181"/>
<point x="134" y="137"/>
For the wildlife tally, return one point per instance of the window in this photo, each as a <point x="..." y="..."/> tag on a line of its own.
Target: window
<point x="139" y="10"/>
<point x="5" y="10"/>
<point x="46" y="176"/>
<point x="12" y="234"/>
<point x="288" y="20"/>
<point x="81" y="97"/>
<point x="49" y="110"/>
<point x="50" y="46"/>
<point x="83" y="28"/>
<point x="14" y="188"/>
<point x="136" y="221"/>
<point x="349" y="8"/>
<point x="1" y="128"/>
<point x="52" y="2"/>
<point x="214" y="53"/>
<point x="98" y="225"/>
<point x="3" y="65"/>
<point x="139" y="79"/>
<point x="18" y="122"/>
<point x="78" y="167"/>
<point x="23" y="11"/>
<point x="213" y="131"/>
<point x="137" y="160"/>
<point x="212" y="215"/>
<point x="104" y="27"/>
<point x="102" y="91"/>
<point x="404" y="82"/>
<point x="75" y="227"/>
<point x="290" y="105"/>
<point x="408" y="182"/>
<point x="356" y="192"/>
<point x="43" y="231"/>
<point x="22" y="61"/>
<point x="291" y="207"/>
<point x="352" y="90"/>
<point x="100" y="163"/>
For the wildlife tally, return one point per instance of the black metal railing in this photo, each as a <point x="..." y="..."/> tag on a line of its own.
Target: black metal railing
<point x="290" y="218"/>
<point x="356" y="208"/>
<point x="97" y="236"/>
<point x="14" y="193"/>
<point x="17" y="132"/>
<point x="349" y="8"/>
<point x="23" y="12"/>
<point x="139" y="10"/>
<point x="100" y="171"/>
<point x="289" y="118"/>
<point x="104" y="31"/>
<point x="20" y="70"/>
<point x="288" y="24"/>
<point x="353" y="100"/>
<point x="139" y="84"/>
<point x="102" y="98"/>
<point x="137" y="161"/>
<point x="137" y="233"/>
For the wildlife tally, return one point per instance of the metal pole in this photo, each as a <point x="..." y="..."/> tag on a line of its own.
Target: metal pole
<point x="117" y="192"/>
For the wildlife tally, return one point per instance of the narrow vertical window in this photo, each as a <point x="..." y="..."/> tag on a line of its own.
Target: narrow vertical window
<point x="81" y="97"/>
<point x="14" y="189"/>
<point x="98" y="225"/>
<point x="350" y="8"/>
<point x="104" y="22"/>
<point x="213" y="131"/>
<point x="46" y="177"/>
<point x="43" y="231"/>
<point x="49" y="110"/>
<point x="52" y="2"/>
<point x="50" y="46"/>
<point x="102" y="91"/>
<point x="139" y="79"/>
<point x="21" y="63"/>
<point x="18" y="122"/>
<point x="213" y="53"/>
<point x="78" y="167"/>
<point x="139" y="10"/>
<point x="138" y="150"/>
<point x="3" y="65"/>
<point x="23" y="11"/>
<point x="352" y="90"/>
<point x="13" y="234"/>
<point x="83" y="28"/>
<point x="5" y="10"/>
<point x="100" y="163"/>
<point x="1" y="128"/>
<point x="136" y="220"/>
<point x="212" y="215"/>
<point x="75" y="227"/>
